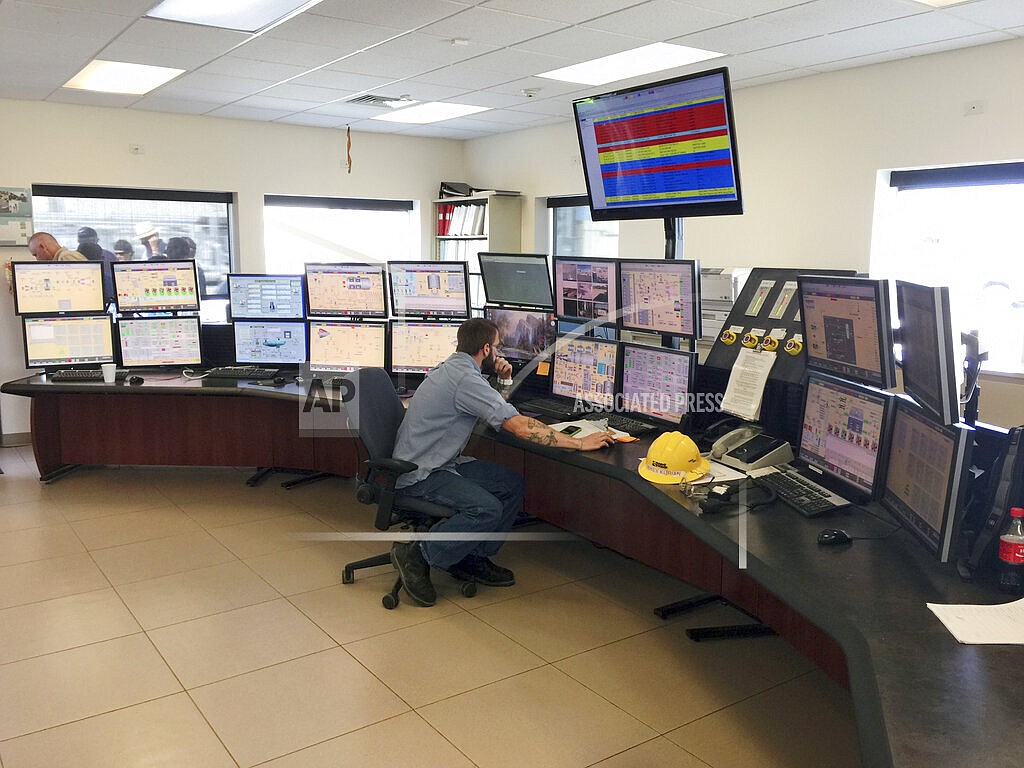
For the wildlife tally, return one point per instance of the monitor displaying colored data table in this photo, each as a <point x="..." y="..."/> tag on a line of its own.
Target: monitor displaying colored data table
<point x="156" y="286"/>
<point x="270" y="342"/>
<point x="57" y="287"/>
<point x="416" y="347"/>
<point x="266" y="296"/>
<point x="429" y="288"/>
<point x="660" y="296"/>
<point x="339" y="345"/>
<point x="67" y="340"/>
<point x="345" y="290"/>
<point x="148" y="342"/>
<point x="658" y="382"/>
<point x="584" y="369"/>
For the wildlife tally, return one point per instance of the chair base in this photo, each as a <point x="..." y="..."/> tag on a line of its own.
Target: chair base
<point x="391" y="599"/>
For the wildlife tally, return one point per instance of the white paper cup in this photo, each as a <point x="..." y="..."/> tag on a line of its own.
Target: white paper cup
<point x="109" y="372"/>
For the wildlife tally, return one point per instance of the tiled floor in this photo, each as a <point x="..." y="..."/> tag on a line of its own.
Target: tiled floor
<point x="176" y="617"/>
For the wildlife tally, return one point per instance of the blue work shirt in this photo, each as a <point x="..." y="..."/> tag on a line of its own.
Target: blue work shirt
<point x="442" y="415"/>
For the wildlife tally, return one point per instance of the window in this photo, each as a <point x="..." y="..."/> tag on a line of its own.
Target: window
<point x="574" y="234"/>
<point x="297" y="230"/>
<point x="122" y="214"/>
<point x="960" y="227"/>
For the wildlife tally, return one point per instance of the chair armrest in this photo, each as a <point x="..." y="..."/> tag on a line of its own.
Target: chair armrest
<point x="393" y="466"/>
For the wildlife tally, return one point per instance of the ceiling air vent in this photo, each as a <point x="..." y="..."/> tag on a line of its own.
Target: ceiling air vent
<point x="382" y="102"/>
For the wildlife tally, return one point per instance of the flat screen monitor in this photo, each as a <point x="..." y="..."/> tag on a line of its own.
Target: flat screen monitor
<point x="516" y="279"/>
<point x="844" y="434"/>
<point x="57" y="287"/>
<point x="418" y="346"/>
<point x="148" y="342"/>
<point x="270" y="342"/>
<point x="524" y="334"/>
<point x="429" y="288"/>
<point x="67" y="340"/>
<point x="929" y="368"/>
<point x="345" y="345"/>
<point x="345" y="290"/>
<point x="265" y="297"/>
<point x="584" y="369"/>
<point x="848" y="328"/>
<point x="658" y="382"/>
<point x="155" y="286"/>
<point x="660" y="296"/>
<point x="927" y="473"/>
<point x="586" y="289"/>
<point x="661" y="150"/>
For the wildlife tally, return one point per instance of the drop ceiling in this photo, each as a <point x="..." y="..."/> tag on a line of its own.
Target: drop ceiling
<point x="307" y="70"/>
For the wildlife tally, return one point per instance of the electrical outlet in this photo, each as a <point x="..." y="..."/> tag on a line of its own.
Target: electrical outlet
<point x="136" y="149"/>
<point x="974" y="108"/>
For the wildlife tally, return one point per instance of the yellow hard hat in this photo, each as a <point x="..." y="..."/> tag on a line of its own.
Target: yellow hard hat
<point x="673" y="458"/>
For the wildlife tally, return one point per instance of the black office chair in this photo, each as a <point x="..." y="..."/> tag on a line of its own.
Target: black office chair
<point x="380" y="413"/>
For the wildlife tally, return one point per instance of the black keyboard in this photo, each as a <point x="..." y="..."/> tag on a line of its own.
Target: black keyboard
<point x="625" y="423"/>
<point x="802" y="494"/>
<point x="241" y="372"/>
<point x="552" y="407"/>
<point x="84" y="374"/>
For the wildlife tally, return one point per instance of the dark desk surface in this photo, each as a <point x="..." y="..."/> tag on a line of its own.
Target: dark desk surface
<point x="155" y="382"/>
<point x="920" y="697"/>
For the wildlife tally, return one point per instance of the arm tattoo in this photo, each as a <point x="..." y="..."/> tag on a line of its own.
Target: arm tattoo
<point x="542" y="434"/>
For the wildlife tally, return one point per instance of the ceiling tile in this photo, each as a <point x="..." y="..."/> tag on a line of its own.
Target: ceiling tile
<point x="131" y="8"/>
<point x="464" y="76"/>
<point x="821" y="49"/>
<point x="247" y="113"/>
<point x="747" y="8"/>
<point x="342" y="35"/>
<point x="422" y="91"/>
<point x="570" y="13"/>
<point x="341" y="81"/>
<point x="661" y="19"/>
<point x="236" y="86"/>
<point x="177" y="58"/>
<point x="307" y="93"/>
<point x="494" y="100"/>
<point x="23" y="91"/>
<point x="378" y="64"/>
<point x="519" y="63"/>
<point x="306" y="118"/>
<point x="998" y="14"/>
<point x="407" y="13"/>
<point x="287" y="52"/>
<point x="432" y="51"/>
<point x="191" y="37"/>
<point x="498" y="28"/>
<point x="583" y="42"/>
<point x="741" y="37"/>
<point x="261" y="101"/>
<point x="902" y="33"/>
<point x="824" y="16"/>
<point x="61" y="21"/>
<point x="957" y="42"/>
<point x="442" y="132"/>
<point x="159" y="103"/>
<point x="345" y="110"/>
<point x="92" y="98"/>
<point x="236" y="66"/>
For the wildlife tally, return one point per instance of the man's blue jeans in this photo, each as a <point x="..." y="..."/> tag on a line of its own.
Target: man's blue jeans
<point x="486" y="499"/>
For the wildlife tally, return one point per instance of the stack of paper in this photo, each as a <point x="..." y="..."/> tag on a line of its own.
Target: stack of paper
<point x="983" y="624"/>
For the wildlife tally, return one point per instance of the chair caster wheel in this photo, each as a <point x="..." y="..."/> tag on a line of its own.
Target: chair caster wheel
<point x="347" y="578"/>
<point x="366" y="494"/>
<point x="389" y="601"/>
<point x="468" y="589"/>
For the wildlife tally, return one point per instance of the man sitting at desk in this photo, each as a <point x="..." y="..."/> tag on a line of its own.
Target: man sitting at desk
<point x="486" y="498"/>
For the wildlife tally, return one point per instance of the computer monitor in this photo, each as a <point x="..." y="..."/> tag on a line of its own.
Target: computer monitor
<point x="660" y="296"/>
<point x="586" y="289"/>
<point x="148" y="342"/>
<point x="844" y="435"/>
<point x="345" y="290"/>
<point x="524" y="334"/>
<point x="661" y="150"/>
<point x="265" y="297"/>
<point x="418" y="346"/>
<point x="429" y="288"/>
<point x="344" y="345"/>
<point x="929" y="368"/>
<point x="584" y="369"/>
<point x="270" y="342"/>
<point x="848" y="328"/>
<point x="156" y="286"/>
<point x="657" y="382"/>
<point x="57" y="287"/>
<point x="60" y="341"/>
<point x="516" y="279"/>
<point x="927" y="476"/>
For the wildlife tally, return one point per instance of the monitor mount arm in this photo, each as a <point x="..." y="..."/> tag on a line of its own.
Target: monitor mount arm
<point x="972" y="369"/>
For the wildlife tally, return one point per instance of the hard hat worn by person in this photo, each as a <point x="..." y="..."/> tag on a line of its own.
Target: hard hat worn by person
<point x="673" y="458"/>
<point x="145" y="230"/>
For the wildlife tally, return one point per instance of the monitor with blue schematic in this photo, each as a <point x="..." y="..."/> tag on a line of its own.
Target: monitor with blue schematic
<point x="345" y="290"/>
<point x="270" y="342"/>
<point x="927" y="476"/>
<point x="429" y="289"/>
<point x="264" y="297"/>
<point x="660" y="296"/>
<point x="926" y="337"/>
<point x="516" y="279"/>
<point x="844" y="435"/>
<point x="148" y="342"/>
<point x="57" y="287"/>
<point x="848" y="328"/>
<point x="345" y="345"/>
<point x="657" y="383"/>
<point x="67" y="340"/>
<point x="584" y="369"/>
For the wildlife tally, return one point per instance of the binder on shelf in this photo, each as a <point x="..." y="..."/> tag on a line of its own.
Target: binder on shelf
<point x="455" y="189"/>
<point x="444" y="218"/>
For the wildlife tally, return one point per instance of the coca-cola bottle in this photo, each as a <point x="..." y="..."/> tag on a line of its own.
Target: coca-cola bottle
<point x="1011" y="554"/>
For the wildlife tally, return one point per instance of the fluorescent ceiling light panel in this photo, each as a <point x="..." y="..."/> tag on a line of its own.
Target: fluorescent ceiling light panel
<point x="639" y="61"/>
<point x="243" y="15"/>
<point x="940" y="3"/>
<point x="430" y="112"/>
<point x="119" y="77"/>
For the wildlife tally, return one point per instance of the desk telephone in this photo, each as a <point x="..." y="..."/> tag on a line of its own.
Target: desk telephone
<point x="747" y="447"/>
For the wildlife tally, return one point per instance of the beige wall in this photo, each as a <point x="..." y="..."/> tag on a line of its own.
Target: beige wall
<point x="809" y="152"/>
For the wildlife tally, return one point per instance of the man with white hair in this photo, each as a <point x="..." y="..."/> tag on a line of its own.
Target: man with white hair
<point x="44" y="247"/>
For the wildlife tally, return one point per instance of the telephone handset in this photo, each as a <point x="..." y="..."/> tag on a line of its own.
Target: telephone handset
<point x="730" y="440"/>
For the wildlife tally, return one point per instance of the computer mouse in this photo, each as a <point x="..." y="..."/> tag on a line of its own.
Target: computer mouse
<point x="280" y="381"/>
<point x="135" y="380"/>
<point x="832" y="536"/>
<point x="400" y="390"/>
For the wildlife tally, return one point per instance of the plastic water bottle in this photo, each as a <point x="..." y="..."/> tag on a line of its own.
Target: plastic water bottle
<point x="1011" y="554"/>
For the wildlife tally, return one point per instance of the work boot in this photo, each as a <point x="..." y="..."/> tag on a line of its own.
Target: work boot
<point x="415" y="572"/>
<point x="482" y="571"/>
